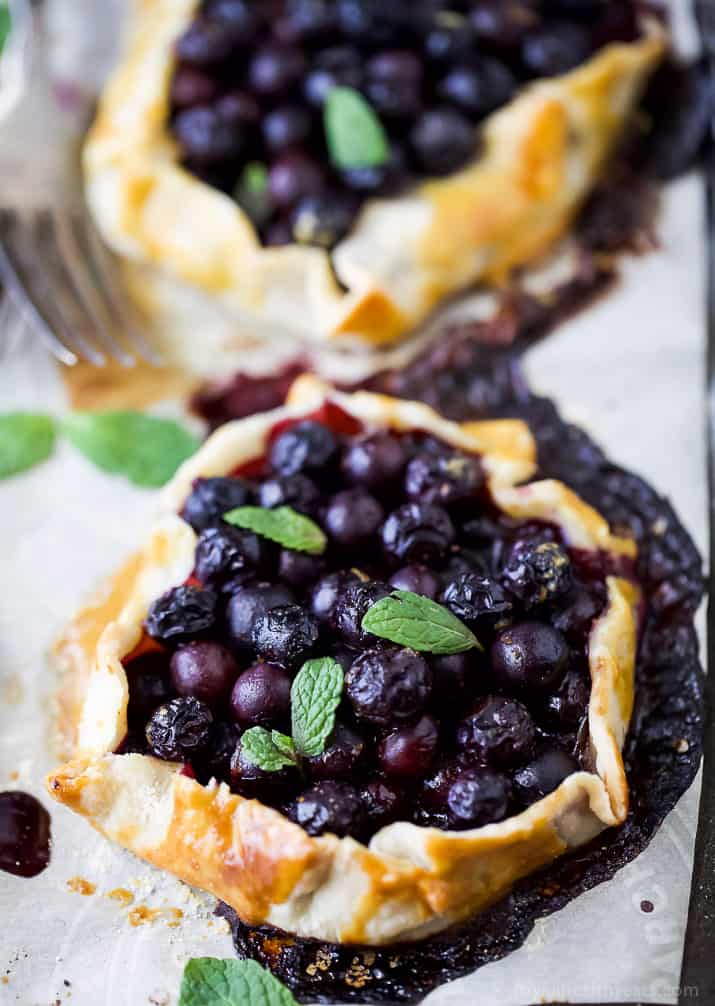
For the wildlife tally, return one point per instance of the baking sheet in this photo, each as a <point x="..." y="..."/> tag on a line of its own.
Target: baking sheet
<point x="631" y="369"/>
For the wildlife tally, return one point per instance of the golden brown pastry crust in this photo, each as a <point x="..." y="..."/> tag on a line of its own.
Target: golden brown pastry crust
<point x="410" y="881"/>
<point x="542" y="153"/>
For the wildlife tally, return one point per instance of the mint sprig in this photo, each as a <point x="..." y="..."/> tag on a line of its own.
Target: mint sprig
<point x="145" y="449"/>
<point x="208" y="981"/>
<point x="26" y="439"/>
<point x="252" y="191"/>
<point x="315" y="697"/>
<point x="413" y="620"/>
<point x="353" y="132"/>
<point x="270" y="750"/>
<point x="283" y="525"/>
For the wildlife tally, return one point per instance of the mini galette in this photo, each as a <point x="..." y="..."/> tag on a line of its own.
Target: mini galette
<point x="334" y="169"/>
<point x="363" y="676"/>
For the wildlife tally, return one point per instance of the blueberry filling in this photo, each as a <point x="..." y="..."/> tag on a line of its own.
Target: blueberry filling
<point x="252" y="81"/>
<point x="451" y="740"/>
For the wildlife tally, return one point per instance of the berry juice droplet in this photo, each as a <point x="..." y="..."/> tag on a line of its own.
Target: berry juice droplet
<point x="24" y="834"/>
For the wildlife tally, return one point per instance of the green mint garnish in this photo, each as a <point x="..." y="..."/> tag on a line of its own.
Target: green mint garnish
<point x="416" y="621"/>
<point x="144" y="449"/>
<point x="283" y="525"/>
<point x="26" y="439"/>
<point x="315" y="697"/>
<point x="354" y="134"/>
<point x="270" y="750"/>
<point x="208" y="981"/>
<point x="5" y="24"/>
<point x="252" y="191"/>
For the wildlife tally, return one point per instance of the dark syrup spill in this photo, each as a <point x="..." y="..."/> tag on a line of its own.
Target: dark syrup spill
<point x="24" y="834"/>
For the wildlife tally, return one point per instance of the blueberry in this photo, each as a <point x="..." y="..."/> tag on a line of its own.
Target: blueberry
<point x="418" y="532"/>
<point x="305" y="21"/>
<point x="418" y="579"/>
<point x="292" y="177"/>
<point x="394" y="83"/>
<point x="204" y="670"/>
<point x="215" y="760"/>
<point x="388" y="686"/>
<point x="352" y="606"/>
<point x="529" y="654"/>
<point x="575" y="618"/>
<point x="384" y="179"/>
<point x="444" y="478"/>
<point x="248" y="603"/>
<point x="181" y="613"/>
<point x="333" y="807"/>
<point x="180" y="729"/>
<point x="210" y="499"/>
<point x="240" y="109"/>
<point x="555" y="49"/>
<point x="477" y="797"/>
<point x="250" y="780"/>
<point x="296" y="491"/>
<point x="344" y="750"/>
<point x="327" y="592"/>
<point x="298" y="568"/>
<point x="543" y="775"/>
<point x="285" y="127"/>
<point x="149" y="684"/>
<point x="503" y="25"/>
<point x="479" y="89"/>
<point x="285" y="635"/>
<point x="450" y="681"/>
<point x="191" y="87"/>
<point x="306" y="447"/>
<point x="324" y="219"/>
<point x="476" y="599"/>
<point x="409" y="751"/>
<point x="536" y="574"/>
<point x="450" y="39"/>
<point x="275" y="69"/>
<point x="205" y="43"/>
<point x="206" y="137"/>
<point x="239" y="18"/>
<point x="498" y="731"/>
<point x="353" y="516"/>
<point x="384" y="803"/>
<point x="443" y="140"/>
<point x="261" y="697"/>
<point x="227" y="557"/>
<point x="569" y="702"/>
<point x="374" y="461"/>
<point x="464" y="562"/>
<point x="338" y="66"/>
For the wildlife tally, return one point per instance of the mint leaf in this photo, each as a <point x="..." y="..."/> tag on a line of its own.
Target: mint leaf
<point x="252" y="191"/>
<point x="26" y="439"/>
<point x="5" y="24"/>
<point x="415" y="621"/>
<point x="208" y="981"/>
<point x="283" y="525"/>
<point x="270" y="751"/>
<point x="353" y="132"/>
<point x="145" y="449"/>
<point x="315" y="697"/>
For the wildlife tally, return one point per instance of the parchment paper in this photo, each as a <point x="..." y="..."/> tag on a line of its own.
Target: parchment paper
<point x="631" y="369"/>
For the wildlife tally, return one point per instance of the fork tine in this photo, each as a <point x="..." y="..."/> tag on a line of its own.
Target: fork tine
<point x="104" y="269"/>
<point x="12" y="272"/>
<point x="74" y="265"/>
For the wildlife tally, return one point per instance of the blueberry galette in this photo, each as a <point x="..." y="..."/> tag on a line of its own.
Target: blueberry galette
<point x="366" y="679"/>
<point x="336" y="168"/>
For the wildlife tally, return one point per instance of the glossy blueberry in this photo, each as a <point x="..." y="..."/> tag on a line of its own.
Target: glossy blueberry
<point x="338" y="66"/>
<point x="211" y="498"/>
<point x="344" y="751"/>
<point x="480" y="88"/>
<point x="418" y="532"/>
<point x="248" y="603"/>
<point x="352" y="606"/>
<point x="418" y="579"/>
<point x="452" y="677"/>
<point x="298" y="568"/>
<point x="286" y="127"/>
<point x="306" y="447"/>
<point x="498" y="731"/>
<point x="323" y="219"/>
<point x="464" y="562"/>
<point x="192" y="87"/>
<point x="327" y="592"/>
<point x="352" y="517"/>
<point x="203" y="669"/>
<point x="575" y="618"/>
<point x="477" y="797"/>
<point x="442" y="140"/>
<point x="543" y="775"/>
<point x="179" y="729"/>
<point x="474" y="599"/>
<point x="394" y="83"/>
<point x="388" y="686"/>
<point x="444" y="478"/>
<point x="261" y="697"/>
<point x="215" y="760"/>
<point x="555" y="49"/>
<point x="296" y="491"/>
<point x="450" y="39"/>
<point x="227" y="557"/>
<point x="240" y="109"/>
<point x="206" y="137"/>
<point x="529" y="655"/>
<point x="292" y="177"/>
<point x="239" y="18"/>
<point x="384" y="803"/>
<point x="285" y="635"/>
<point x="503" y="25"/>
<point x="408" y="752"/>
<point x="275" y="69"/>
<point x="205" y="43"/>
<point x="305" y="21"/>
<point x="181" y="613"/>
<point x="568" y="704"/>
<point x="374" y="461"/>
<point x="537" y="573"/>
<point x="332" y="807"/>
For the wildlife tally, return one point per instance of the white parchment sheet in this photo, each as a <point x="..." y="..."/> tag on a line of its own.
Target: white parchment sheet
<point x="631" y="370"/>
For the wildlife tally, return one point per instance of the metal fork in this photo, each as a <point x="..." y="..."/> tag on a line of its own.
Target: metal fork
<point x="52" y="261"/>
